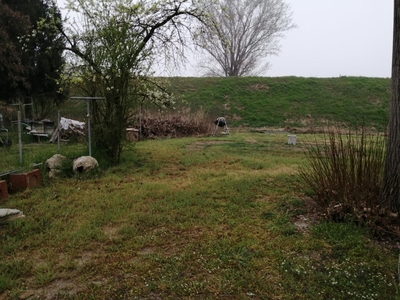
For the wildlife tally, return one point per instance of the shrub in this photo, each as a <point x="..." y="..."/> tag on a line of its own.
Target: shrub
<point x="179" y="124"/>
<point x="344" y="173"/>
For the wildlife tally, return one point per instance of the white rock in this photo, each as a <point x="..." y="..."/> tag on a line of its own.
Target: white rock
<point x="54" y="163"/>
<point x="84" y="164"/>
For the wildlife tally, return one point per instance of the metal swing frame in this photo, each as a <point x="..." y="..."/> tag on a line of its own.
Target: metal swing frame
<point x="221" y="120"/>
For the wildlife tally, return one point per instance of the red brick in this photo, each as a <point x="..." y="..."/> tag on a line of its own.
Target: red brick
<point x="3" y="190"/>
<point x="20" y="182"/>
<point x="34" y="178"/>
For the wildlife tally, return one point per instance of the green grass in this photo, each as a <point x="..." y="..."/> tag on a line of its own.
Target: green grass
<point x="33" y="152"/>
<point x="276" y="101"/>
<point x="290" y="101"/>
<point x="273" y="101"/>
<point x="194" y="218"/>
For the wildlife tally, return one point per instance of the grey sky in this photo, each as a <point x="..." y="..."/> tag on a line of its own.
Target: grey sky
<point x="334" y="38"/>
<point x="337" y="37"/>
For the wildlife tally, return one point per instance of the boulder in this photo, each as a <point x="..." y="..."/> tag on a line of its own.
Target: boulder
<point x="84" y="164"/>
<point x="54" y="163"/>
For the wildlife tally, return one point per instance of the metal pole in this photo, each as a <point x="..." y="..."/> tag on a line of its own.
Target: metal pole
<point x="140" y="122"/>
<point x="19" y="138"/>
<point x="89" y="135"/>
<point x="58" y="133"/>
<point x="88" y="116"/>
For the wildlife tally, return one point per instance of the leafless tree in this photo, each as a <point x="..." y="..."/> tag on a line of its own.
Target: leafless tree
<point x="243" y="34"/>
<point x="390" y="191"/>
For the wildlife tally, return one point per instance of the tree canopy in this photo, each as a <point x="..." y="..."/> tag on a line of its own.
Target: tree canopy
<point x="243" y="33"/>
<point x="13" y="74"/>
<point x="114" y="45"/>
<point x="32" y="60"/>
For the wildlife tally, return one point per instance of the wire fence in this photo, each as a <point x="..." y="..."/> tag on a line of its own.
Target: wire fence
<point x="24" y="143"/>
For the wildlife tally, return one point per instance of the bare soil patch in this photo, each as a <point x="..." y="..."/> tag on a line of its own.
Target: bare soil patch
<point x="311" y="217"/>
<point x="259" y="87"/>
<point x="202" y="144"/>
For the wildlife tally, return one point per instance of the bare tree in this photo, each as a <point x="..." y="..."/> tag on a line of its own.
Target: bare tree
<point x="243" y="34"/>
<point x="390" y="191"/>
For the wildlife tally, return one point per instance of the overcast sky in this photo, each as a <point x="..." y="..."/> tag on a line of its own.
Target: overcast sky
<point x="337" y="37"/>
<point x="334" y="38"/>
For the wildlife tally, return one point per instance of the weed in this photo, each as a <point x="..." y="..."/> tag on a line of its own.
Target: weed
<point x="43" y="274"/>
<point x="342" y="276"/>
<point x="11" y="271"/>
<point x="343" y="280"/>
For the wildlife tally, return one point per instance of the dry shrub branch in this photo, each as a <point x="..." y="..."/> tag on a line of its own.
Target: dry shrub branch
<point x="344" y="175"/>
<point x="182" y="123"/>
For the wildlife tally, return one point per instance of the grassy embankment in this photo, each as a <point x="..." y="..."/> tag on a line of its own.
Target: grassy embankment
<point x="277" y="102"/>
<point x="290" y="101"/>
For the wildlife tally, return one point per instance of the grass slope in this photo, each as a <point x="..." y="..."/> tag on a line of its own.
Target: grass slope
<point x="289" y="101"/>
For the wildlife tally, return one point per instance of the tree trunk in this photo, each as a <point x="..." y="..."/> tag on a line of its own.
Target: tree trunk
<point x="390" y="191"/>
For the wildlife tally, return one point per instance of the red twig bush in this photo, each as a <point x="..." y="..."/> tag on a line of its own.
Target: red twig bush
<point x="344" y="173"/>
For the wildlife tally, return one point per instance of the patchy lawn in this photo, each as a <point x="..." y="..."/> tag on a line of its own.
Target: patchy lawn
<point x="221" y="217"/>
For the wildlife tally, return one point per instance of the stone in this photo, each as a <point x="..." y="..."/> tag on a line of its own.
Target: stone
<point x="54" y="163"/>
<point x="3" y="191"/>
<point x="84" y="164"/>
